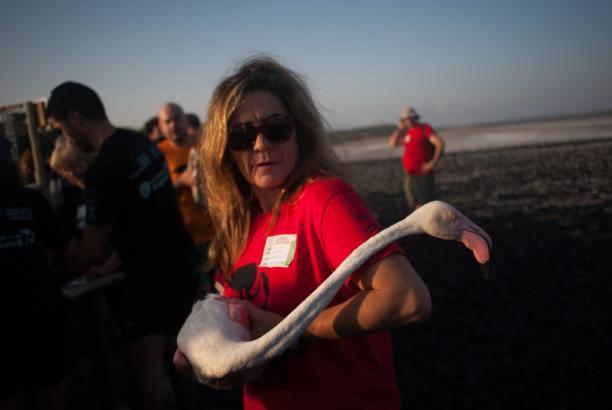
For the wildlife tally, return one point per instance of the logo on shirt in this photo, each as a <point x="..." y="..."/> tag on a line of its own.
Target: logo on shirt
<point x="145" y="189"/>
<point x="250" y="284"/>
<point x="21" y="239"/>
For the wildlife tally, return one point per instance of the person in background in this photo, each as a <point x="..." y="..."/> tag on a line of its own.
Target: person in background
<point x="37" y="337"/>
<point x="71" y="163"/>
<point x="92" y="312"/>
<point x="194" y="126"/>
<point x="176" y="147"/>
<point x="151" y="130"/>
<point x="130" y="197"/>
<point x="423" y="149"/>
<point x="284" y="221"/>
<point x="26" y="166"/>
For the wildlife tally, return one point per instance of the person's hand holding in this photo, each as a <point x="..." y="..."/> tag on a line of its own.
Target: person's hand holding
<point x="186" y="180"/>
<point x="261" y="320"/>
<point x="99" y="270"/>
<point x="250" y="316"/>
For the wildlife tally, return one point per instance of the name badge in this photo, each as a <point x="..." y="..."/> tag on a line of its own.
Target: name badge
<point x="278" y="251"/>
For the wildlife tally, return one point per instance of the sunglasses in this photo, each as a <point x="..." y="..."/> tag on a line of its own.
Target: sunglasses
<point x="241" y="137"/>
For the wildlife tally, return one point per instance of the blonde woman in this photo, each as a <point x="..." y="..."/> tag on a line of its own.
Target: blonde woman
<point x="70" y="162"/>
<point x="284" y="221"/>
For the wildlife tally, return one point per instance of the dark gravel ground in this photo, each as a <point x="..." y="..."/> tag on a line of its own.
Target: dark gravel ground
<point x="537" y="334"/>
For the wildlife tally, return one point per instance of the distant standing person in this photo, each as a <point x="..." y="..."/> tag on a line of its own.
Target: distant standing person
<point x="422" y="151"/>
<point x="130" y="198"/>
<point x="194" y="126"/>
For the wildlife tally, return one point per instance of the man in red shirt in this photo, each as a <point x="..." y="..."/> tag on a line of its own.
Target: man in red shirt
<point x="422" y="151"/>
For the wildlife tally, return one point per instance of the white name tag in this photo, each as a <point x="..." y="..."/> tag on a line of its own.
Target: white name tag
<point x="278" y="251"/>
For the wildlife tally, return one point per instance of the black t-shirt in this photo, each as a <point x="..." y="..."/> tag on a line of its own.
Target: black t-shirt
<point x="28" y="228"/>
<point x="129" y="188"/>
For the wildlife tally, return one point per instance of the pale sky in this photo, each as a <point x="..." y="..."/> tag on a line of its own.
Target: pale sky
<point x="457" y="62"/>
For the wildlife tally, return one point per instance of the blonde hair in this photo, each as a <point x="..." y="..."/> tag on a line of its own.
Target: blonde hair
<point x="230" y="200"/>
<point x="67" y="158"/>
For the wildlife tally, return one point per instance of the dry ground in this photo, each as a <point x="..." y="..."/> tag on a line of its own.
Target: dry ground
<point x="537" y="333"/>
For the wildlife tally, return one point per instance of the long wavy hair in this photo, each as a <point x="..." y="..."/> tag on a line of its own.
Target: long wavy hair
<point x="231" y="202"/>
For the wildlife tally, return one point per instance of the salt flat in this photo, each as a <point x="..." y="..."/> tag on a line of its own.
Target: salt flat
<point x="479" y="137"/>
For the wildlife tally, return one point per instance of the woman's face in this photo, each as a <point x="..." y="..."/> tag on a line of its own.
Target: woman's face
<point x="267" y="164"/>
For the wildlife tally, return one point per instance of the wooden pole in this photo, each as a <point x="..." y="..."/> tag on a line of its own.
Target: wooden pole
<point x="40" y="168"/>
<point x="9" y="132"/>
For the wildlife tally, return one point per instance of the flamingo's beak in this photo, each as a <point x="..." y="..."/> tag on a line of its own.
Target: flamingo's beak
<point x="480" y="244"/>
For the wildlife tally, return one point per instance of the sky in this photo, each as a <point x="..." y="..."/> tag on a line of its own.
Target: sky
<point x="456" y="62"/>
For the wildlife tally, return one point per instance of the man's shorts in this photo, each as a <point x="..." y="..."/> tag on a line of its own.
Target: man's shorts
<point x="419" y="189"/>
<point x="36" y="343"/>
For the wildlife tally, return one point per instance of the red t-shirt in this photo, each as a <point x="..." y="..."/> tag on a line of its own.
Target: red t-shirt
<point x="328" y="220"/>
<point x="417" y="148"/>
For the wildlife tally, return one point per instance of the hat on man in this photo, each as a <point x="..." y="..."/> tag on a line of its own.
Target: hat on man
<point x="409" y="112"/>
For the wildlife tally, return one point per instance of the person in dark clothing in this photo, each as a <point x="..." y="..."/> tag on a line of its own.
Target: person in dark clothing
<point x="131" y="201"/>
<point x="151" y="129"/>
<point x="36" y="342"/>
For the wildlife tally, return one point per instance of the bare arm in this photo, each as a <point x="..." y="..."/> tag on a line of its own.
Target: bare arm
<point x="392" y="295"/>
<point x="438" y="148"/>
<point x="111" y="264"/>
<point x="438" y="151"/>
<point x="89" y="250"/>
<point x="396" y="138"/>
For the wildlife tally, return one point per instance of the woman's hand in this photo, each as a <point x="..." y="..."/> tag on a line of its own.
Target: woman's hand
<point x="261" y="320"/>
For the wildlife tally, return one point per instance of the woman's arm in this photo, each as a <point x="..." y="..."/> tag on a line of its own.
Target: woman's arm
<point x="392" y="294"/>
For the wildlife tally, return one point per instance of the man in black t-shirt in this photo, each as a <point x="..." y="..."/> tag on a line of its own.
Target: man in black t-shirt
<point x="131" y="203"/>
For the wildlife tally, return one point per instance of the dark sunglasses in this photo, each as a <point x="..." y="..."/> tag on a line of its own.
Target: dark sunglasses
<point x="241" y="137"/>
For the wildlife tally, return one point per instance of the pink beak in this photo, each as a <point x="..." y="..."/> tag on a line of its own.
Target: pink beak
<point x="477" y="240"/>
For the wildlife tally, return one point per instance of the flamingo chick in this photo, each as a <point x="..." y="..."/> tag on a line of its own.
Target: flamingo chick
<point x="215" y="340"/>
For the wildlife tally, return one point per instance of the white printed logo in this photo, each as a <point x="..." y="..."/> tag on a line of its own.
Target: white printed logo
<point x="145" y="189"/>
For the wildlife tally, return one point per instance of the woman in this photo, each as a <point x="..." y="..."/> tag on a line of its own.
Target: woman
<point x="284" y="222"/>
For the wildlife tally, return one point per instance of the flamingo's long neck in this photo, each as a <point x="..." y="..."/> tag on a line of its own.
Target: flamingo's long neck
<point x="285" y="333"/>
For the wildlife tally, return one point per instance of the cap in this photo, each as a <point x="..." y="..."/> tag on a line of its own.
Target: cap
<point x="409" y="112"/>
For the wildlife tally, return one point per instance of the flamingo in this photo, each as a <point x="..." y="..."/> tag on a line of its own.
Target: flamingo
<point x="217" y="347"/>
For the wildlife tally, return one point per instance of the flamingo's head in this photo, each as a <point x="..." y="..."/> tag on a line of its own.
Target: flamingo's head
<point x="443" y="221"/>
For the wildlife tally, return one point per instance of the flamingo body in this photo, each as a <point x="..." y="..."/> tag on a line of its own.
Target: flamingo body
<point x="217" y="343"/>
